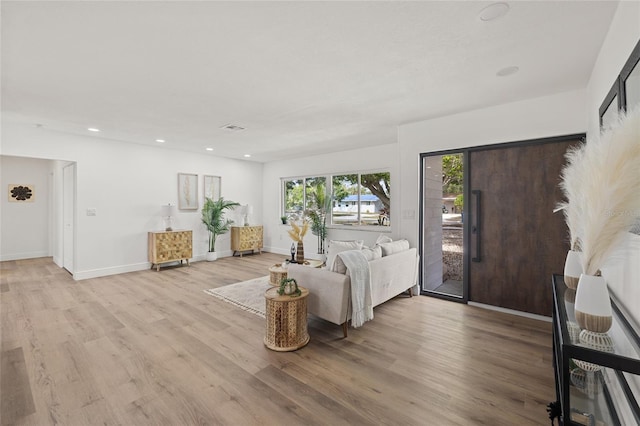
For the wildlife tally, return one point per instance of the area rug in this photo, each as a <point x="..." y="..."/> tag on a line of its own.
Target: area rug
<point x="247" y="295"/>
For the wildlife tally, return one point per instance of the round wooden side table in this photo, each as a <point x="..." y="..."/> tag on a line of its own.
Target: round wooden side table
<point x="276" y="274"/>
<point x="286" y="325"/>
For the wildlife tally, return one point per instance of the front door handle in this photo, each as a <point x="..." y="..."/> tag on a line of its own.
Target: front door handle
<point x="475" y="227"/>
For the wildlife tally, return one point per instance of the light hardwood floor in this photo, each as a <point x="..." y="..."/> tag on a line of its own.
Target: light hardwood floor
<point x="152" y="348"/>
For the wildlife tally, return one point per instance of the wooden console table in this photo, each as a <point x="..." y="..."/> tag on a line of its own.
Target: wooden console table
<point x="286" y="328"/>
<point x="245" y="238"/>
<point x="170" y="246"/>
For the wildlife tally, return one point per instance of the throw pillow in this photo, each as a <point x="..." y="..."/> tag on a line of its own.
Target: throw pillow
<point x="383" y="239"/>
<point x="336" y="247"/>
<point x="394" y="247"/>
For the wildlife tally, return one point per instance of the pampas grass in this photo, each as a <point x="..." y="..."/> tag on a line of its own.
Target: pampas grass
<point x="602" y="185"/>
<point x="572" y="186"/>
<point x="298" y="232"/>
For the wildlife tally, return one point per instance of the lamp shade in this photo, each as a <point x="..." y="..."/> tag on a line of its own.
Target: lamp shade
<point x="168" y="210"/>
<point x="249" y="209"/>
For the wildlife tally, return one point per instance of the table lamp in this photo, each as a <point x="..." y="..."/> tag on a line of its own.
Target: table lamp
<point x="248" y="210"/>
<point x="168" y="211"/>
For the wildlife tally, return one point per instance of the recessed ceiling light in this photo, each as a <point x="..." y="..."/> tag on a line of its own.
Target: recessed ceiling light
<point x="493" y="11"/>
<point x="247" y="155"/>
<point x="160" y="140"/>
<point x="232" y="127"/>
<point x="507" y="71"/>
<point x="209" y="149"/>
<point x="93" y="129"/>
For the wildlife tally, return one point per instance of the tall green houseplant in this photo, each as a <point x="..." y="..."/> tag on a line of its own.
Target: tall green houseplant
<point x="213" y="218"/>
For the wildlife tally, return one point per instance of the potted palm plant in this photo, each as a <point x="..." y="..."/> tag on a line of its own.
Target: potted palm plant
<point x="213" y="218"/>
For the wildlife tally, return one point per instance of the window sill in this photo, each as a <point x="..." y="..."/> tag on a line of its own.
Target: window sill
<point x="365" y="228"/>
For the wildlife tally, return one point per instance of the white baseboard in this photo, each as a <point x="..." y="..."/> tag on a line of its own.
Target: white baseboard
<point x="511" y="311"/>
<point x="113" y="270"/>
<point x="123" y="269"/>
<point x="21" y="256"/>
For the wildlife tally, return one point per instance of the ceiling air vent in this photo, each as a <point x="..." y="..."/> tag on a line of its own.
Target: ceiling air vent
<point x="232" y="127"/>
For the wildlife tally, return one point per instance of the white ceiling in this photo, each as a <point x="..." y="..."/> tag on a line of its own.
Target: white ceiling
<point x="301" y="77"/>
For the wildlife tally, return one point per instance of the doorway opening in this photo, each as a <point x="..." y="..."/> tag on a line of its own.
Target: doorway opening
<point x="442" y="237"/>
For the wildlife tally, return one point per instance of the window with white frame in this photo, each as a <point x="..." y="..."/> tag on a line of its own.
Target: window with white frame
<point x="362" y="199"/>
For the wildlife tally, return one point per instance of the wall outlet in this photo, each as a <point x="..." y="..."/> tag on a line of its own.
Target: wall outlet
<point x="91" y="211"/>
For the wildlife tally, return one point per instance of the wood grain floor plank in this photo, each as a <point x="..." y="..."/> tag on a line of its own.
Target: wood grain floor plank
<point x="17" y="399"/>
<point x="150" y="348"/>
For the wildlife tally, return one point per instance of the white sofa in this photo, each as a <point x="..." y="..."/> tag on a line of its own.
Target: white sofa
<point x="330" y="292"/>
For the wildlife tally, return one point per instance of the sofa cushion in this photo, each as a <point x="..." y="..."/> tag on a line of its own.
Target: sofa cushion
<point x="394" y="247"/>
<point x="383" y="239"/>
<point x="336" y="247"/>
<point x="369" y="253"/>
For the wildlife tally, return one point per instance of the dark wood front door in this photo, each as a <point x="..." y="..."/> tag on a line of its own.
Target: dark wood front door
<point x="514" y="190"/>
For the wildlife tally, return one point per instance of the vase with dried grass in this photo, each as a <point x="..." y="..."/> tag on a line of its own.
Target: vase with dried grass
<point x="601" y="184"/>
<point x="297" y="233"/>
<point x="573" y="177"/>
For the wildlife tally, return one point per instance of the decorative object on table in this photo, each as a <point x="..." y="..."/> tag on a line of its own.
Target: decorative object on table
<point x="572" y="269"/>
<point x="289" y="287"/>
<point x="168" y="211"/>
<point x="213" y="218"/>
<point x="187" y="191"/>
<point x="599" y="341"/>
<point x="297" y="234"/>
<point x="248" y="210"/>
<point x="572" y="326"/>
<point x="283" y="219"/>
<point x="601" y="209"/>
<point x="573" y="188"/>
<point x="293" y="253"/>
<point x="318" y="218"/>
<point x="212" y="187"/>
<point x="21" y="193"/>
<point x="587" y="382"/>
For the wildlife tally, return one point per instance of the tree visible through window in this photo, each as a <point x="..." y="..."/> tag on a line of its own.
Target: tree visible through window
<point x="356" y="199"/>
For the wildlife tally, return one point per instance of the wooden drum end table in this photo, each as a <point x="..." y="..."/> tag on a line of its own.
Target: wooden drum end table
<point x="276" y="274"/>
<point x="286" y="320"/>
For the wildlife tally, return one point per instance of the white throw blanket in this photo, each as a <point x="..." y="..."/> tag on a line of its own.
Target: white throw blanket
<point x="358" y="272"/>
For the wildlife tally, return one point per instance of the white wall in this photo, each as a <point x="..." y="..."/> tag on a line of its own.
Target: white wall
<point x="623" y="277"/>
<point x="25" y="230"/>
<point x="384" y="157"/>
<point x="126" y="184"/>
<point x="555" y="115"/>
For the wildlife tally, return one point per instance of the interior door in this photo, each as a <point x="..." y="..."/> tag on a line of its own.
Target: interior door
<point x="516" y="241"/>
<point x="68" y="216"/>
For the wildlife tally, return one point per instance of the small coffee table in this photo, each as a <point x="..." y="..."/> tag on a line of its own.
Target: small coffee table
<point x="286" y="320"/>
<point x="277" y="272"/>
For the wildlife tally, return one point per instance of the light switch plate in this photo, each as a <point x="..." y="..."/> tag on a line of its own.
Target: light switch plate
<point x="91" y="212"/>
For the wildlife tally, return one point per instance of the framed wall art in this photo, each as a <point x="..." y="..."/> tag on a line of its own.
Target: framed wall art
<point x="187" y="191"/>
<point x="21" y="193"/>
<point x="212" y="187"/>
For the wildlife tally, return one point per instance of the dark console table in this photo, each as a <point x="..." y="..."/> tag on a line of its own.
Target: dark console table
<point x="594" y="387"/>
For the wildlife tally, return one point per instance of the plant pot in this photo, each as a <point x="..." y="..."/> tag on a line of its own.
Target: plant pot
<point x="593" y="307"/>
<point x="572" y="269"/>
<point x="211" y="256"/>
